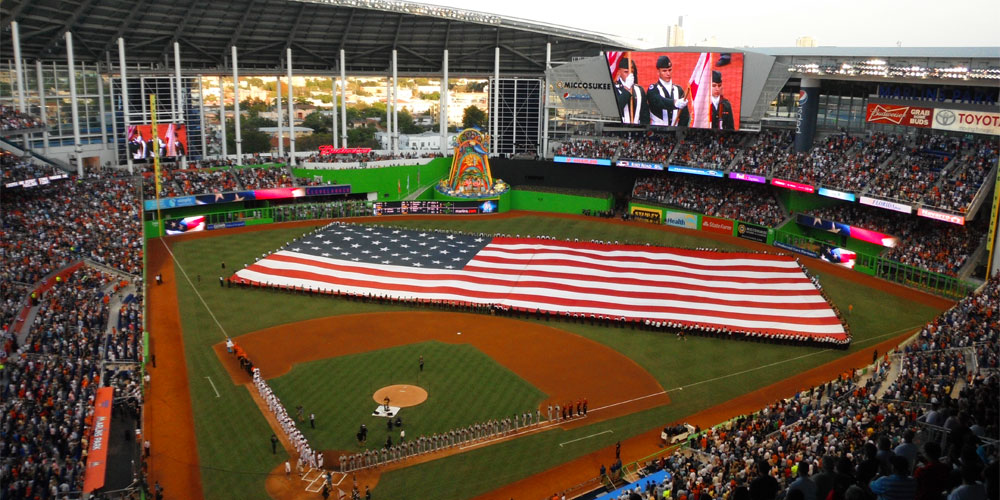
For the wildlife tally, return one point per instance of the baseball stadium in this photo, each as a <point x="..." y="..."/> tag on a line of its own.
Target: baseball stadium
<point x="312" y="249"/>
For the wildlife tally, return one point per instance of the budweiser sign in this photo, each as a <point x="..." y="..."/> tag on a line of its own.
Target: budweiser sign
<point x="909" y="116"/>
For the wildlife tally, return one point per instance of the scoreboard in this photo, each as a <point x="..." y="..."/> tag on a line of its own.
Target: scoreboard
<point x="429" y="207"/>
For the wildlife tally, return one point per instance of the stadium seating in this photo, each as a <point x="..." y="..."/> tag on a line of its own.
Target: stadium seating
<point x="12" y="120"/>
<point x="718" y="198"/>
<point x="942" y="388"/>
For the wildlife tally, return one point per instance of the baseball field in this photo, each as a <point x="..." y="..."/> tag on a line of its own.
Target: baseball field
<point x="211" y="438"/>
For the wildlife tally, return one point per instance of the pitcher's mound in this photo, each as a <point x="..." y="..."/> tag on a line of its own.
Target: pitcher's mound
<point x="401" y="395"/>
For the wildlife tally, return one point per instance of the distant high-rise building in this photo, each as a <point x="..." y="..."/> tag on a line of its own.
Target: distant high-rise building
<point x="675" y="33"/>
<point x="805" y="41"/>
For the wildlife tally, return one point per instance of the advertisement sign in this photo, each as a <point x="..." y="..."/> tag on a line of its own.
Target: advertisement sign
<point x="97" y="455"/>
<point x="740" y="176"/>
<point x="855" y="232"/>
<point x="716" y="225"/>
<point x="653" y="215"/>
<point x="796" y="186"/>
<point x="833" y="193"/>
<point x="583" y="161"/>
<point x="185" y="225"/>
<point x="681" y="219"/>
<point x="907" y="116"/>
<point x="941" y="216"/>
<point x="330" y="150"/>
<point x="793" y="248"/>
<point x="751" y="232"/>
<point x="873" y="237"/>
<point x="257" y="194"/>
<point x="677" y="89"/>
<point x="696" y="171"/>
<point x="972" y="122"/>
<point x="170" y="141"/>
<point x="888" y="205"/>
<point x="41" y="181"/>
<point x="840" y="256"/>
<point x="639" y="164"/>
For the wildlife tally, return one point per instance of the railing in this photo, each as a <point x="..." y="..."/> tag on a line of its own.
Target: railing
<point x="891" y="270"/>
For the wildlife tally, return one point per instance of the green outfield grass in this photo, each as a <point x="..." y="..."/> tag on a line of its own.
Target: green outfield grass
<point x="699" y="372"/>
<point x="464" y="386"/>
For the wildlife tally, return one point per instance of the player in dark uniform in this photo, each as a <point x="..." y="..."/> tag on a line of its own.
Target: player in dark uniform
<point x="722" y="110"/>
<point x="667" y="102"/>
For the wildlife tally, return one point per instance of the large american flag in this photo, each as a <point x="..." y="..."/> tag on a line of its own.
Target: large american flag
<point x="743" y="292"/>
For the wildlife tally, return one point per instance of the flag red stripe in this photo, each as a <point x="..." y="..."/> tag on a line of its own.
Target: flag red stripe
<point x="458" y="276"/>
<point x="540" y="299"/>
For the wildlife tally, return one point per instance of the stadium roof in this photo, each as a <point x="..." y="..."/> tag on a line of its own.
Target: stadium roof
<point x="315" y="30"/>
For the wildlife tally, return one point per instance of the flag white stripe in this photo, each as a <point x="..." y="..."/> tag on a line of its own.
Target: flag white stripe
<point x="722" y="260"/>
<point x="277" y="280"/>
<point x="473" y="288"/>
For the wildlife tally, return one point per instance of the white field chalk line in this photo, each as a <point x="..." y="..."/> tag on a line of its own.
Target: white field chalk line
<point x="586" y="437"/>
<point x="213" y="387"/>
<point x="186" y="277"/>
<point x="890" y="334"/>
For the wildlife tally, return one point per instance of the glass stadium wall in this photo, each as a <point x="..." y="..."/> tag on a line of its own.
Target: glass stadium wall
<point x="140" y="87"/>
<point x="53" y="80"/>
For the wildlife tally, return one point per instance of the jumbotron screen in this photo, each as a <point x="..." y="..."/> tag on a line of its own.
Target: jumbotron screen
<point x="678" y="89"/>
<point x="171" y="141"/>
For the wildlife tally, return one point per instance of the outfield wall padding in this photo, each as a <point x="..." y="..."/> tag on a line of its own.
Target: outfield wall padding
<point x="388" y="182"/>
<point x="539" y="201"/>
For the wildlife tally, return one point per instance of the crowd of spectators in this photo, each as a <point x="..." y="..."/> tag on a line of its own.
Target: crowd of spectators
<point x="707" y="149"/>
<point x="769" y="148"/>
<point x="966" y="177"/>
<point x="588" y="148"/>
<point x="51" y="381"/>
<point x="13" y="120"/>
<point x="655" y="148"/>
<point x="929" y="244"/>
<point x="715" y="197"/>
<point x="371" y="156"/>
<point x="14" y="168"/>
<point x="864" y="437"/>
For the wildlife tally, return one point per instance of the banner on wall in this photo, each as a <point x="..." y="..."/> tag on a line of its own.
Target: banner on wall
<point x="716" y="225"/>
<point x="907" y="116"/>
<point x="972" y="122"/>
<point x="97" y="455"/>
<point x="751" y="232"/>
<point x="257" y="194"/>
<point x="681" y="219"/>
<point x="647" y="214"/>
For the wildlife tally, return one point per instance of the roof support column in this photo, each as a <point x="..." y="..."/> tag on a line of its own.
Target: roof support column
<point x="201" y="118"/>
<point x="343" y="100"/>
<point x="545" y="102"/>
<point x="291" y="110"/>
<point x="333" y="131"/>
<point x="395" y="106"/>
<point x="125" y="108"/>
<point x="495" y="97"/>
<point x="281" y="119"/>
<point x="100" y="106"/>
<point x="179" y="99"/>
<point x="74" y="102"/>
<point x="19" y="75"/>
<point x="41" y="103"/>
<point x="236" y="108"/>
<point x="222" y="117"/>
<point x="443" y="104"/>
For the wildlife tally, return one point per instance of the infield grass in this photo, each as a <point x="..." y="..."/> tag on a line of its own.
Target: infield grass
<point x="710" y="371"/>
<point x="339" y="391"/>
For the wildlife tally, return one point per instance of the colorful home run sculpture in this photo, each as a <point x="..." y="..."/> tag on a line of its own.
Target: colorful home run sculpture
<point x="470" y="175"/>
